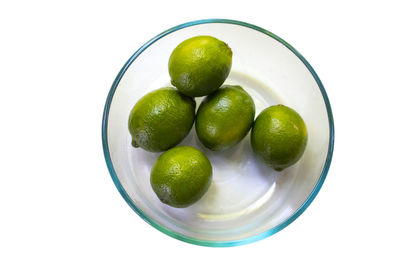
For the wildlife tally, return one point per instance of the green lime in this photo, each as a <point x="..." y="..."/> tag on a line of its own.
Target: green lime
<point x="279" y="136"/>
<point x="181" y="176"/>
<point x="225" y="117"/>
<point x="161" y="119"/>
<point x="200" y="65"/>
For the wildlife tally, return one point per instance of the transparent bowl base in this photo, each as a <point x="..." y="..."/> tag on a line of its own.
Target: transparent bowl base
<point x="243" y="187"/>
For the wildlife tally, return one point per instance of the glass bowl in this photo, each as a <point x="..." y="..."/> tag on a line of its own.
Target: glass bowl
<point x="247" y="201"/>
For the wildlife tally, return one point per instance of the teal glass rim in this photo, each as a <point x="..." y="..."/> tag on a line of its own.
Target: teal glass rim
<point x="200" y="241"/>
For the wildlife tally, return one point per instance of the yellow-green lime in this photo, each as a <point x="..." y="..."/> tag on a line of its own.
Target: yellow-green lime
<point x="224" y="117"/>
<point x="200" y="65"/>
<point x="161" y="119"/>
<point x="181" y="176"/>
<point x="279" y="136"/>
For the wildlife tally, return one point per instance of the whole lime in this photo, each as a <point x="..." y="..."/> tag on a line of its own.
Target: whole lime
<point x="161" y="119"/>
<point x="225" y="117"/>
<point x="279" y="136"/>
<point x="181" y="176"/>
<point x="200" y="65"/>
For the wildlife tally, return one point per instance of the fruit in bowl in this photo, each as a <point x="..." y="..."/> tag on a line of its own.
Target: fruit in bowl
<point x="181" y="176"/>
<point x="225" y="117"/>
<point x="161" y="119"/>
<point x="279" y="136"/>
<point x="199" y="65"/>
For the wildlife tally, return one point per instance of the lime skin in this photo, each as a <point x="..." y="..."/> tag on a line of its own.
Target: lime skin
<point x="200" y="65"/>
<point x="224" y="117"/>
<point x="161" y="119"/>
<point x="279" y="136"/>
<point x="181" y="176"/>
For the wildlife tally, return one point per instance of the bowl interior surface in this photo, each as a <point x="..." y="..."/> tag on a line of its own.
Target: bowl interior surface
<point x="246" y="199"/>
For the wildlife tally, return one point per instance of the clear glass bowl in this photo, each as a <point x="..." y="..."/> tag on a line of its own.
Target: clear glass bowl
<point x="247" y="200"/>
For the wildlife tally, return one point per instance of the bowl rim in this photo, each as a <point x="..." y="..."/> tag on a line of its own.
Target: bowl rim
<point x="185" y="238"/>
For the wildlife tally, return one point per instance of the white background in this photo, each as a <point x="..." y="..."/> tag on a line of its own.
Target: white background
<point x="58" y="204"/>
